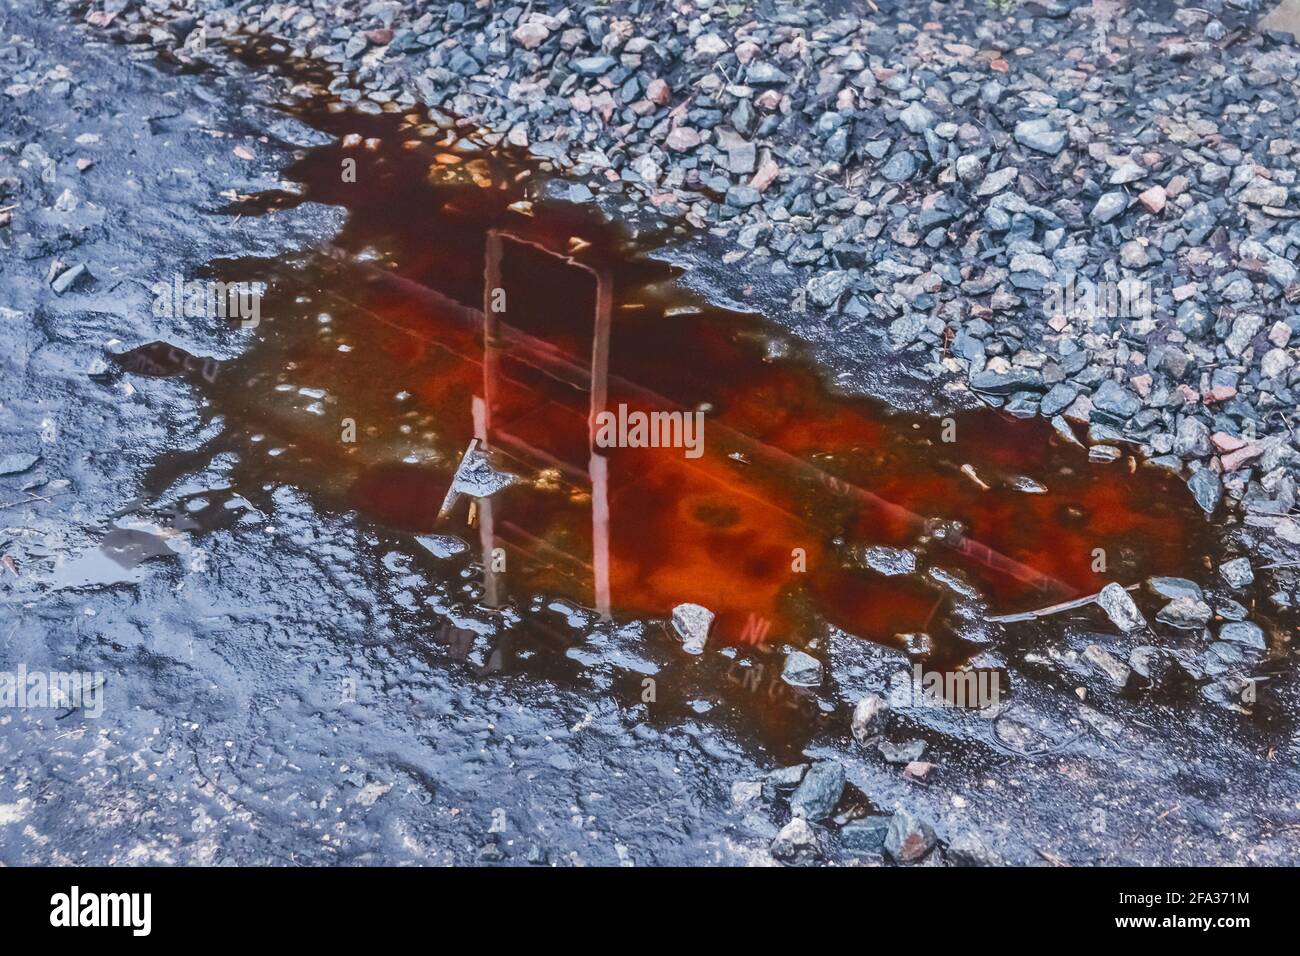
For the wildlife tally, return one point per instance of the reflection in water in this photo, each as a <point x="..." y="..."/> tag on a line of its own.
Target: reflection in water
<point x="455" y="305"/>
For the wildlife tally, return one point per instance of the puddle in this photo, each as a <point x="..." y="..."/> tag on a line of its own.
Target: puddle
<point x="373" y="368"/>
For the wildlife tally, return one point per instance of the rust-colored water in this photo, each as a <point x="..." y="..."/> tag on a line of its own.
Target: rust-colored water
<point x="385" y="329"/>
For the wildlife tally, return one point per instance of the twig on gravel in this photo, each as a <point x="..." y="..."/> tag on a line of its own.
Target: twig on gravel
<point x="33" y="497"/>
<point x="1054" y="609"/>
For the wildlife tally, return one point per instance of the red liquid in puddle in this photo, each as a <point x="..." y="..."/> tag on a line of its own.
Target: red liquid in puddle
<point x="763" y="527"/>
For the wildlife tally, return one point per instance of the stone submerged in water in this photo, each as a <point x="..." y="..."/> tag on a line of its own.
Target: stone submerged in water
<point x="1237" y="572"/>
<point x="820" y="791"/>
<point x="692" y="623"/>
<point x="442" y="545"/>
<point x="1244" y="633"/>
<point x="1170" y="588"/>
<point x="802" y="670"/>
<point x="908" y="838"/>
<point x="1121" y="610"/>
<point x="890" y="562"/>
<point x="907" y="752"/>
<point x="1186" y="613"/>
<point x="1107" y="664"/>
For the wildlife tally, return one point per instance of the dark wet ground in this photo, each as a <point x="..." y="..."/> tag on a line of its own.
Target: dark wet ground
<point x="306" y="681"/>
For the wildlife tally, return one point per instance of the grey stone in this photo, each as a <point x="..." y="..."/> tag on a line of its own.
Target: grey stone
<point x="996" y="181"/>
<point x="1038" y="134"/>
<point x="909" y="839"/>
<point x="1237" y="572"/>
<point x="594" y="65"/>
<point x="802" y="670"/>
<point x="1119" y="607"/>
<point x="969" y="849"/>
<point x="825" y="289"/>
<point x="1206" y="489"/>
<point x="1244" y="328"/>
<point x="692" y="623"/>
<point x="1113" y="399"/>
<point x="1109" y="206"/>
<point x="819" y="792"/>
<point x="17" y="463"/>
<point x="866" y="835"/>
<point x="1192" y="438"/>
<point x="1245" y="633"/>
<point x="1058" y="398"/>
<point x="900" y="167"/>
<point x="796" y="843"/>
<point x="1186" y="613"/>
<point x="870" y="719"/>
<point x="1170" y="588"/>
<point x="916" y="118"/>
<point x="1015" y="379"/>
<point x="761" y="73"/>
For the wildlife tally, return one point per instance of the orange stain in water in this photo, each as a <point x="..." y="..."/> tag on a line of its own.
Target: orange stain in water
<point x="765" y="528"/>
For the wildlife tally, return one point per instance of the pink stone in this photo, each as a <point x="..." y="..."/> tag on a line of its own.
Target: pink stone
<point x="658" y="92"/>
<point x="1153" y="198"/>
<point x="683" y="138"/>
<point x="1234" y="460"/>
<point x="765" y="176"/>
<point x="1225" y="442"/>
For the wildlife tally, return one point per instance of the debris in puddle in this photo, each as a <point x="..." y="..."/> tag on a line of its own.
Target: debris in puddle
<point x="801" y="670"/>
<point x="442" y="545"/>
<point x="970" y="473"/>
<point x="1112" y="599"/>
<point x="692" y="623"/>
<point x="474" y="477"/>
